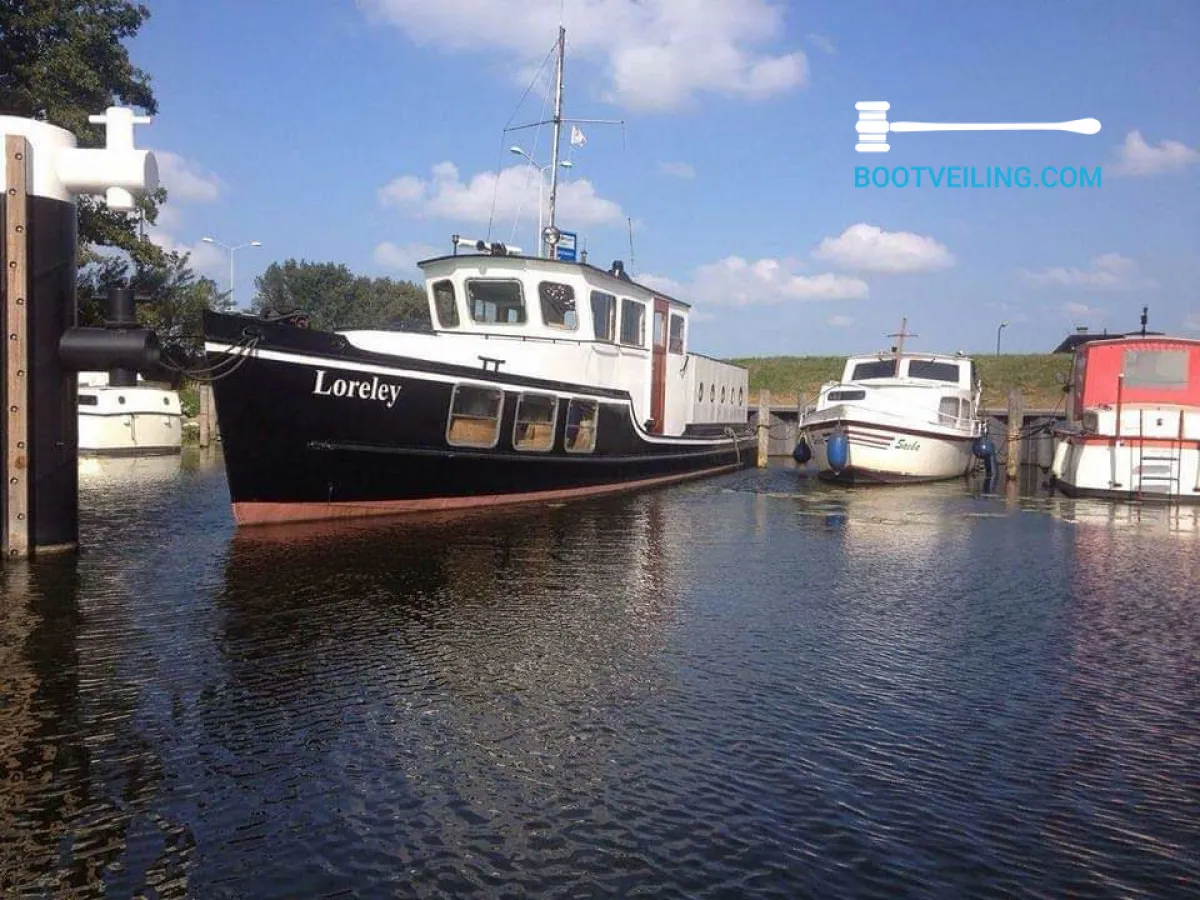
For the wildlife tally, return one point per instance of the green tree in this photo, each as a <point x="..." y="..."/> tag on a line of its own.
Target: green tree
<point x="334" y="298"/>
<point x="61" y="62"/>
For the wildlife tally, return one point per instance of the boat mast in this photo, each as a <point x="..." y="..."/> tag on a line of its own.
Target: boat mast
<point x="546" y="248"/>
<point x="902" y="334"/>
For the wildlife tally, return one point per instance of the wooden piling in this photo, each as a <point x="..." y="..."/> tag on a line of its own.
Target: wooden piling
<point x="204" y="415"/>
<point x="764" y="427"/>
<point x="16" y="341"/>
<point x="1016" y="419"/>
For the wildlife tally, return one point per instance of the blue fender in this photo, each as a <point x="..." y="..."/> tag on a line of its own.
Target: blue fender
<point x="985" y="448"/>
<point x="802" y="453"/>
<point x="837" y="449"/>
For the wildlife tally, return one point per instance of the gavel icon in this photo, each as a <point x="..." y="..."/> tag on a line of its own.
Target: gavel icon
<point x="873" y="126"/>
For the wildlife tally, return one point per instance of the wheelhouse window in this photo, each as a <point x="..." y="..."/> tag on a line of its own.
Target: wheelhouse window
<point x="882" y="368"/>
<point x="582" y="416"/>
<point x="633" y="323"/>
<point x="444" y="304"/>
<point x="533" y="428"/>
<point x="845" y="396"/>
<point x="604" y="316"/>
<point x="496" y="301"/>
<point x="676" y="342"/>
<point x="660" y="329"/>
<point x="948" y="411"/>
<point x="89" y="400"/>
<point x="474" y="416"/>
<point x="558" y="305"/>
<point x="1165" y="369"/>
<point x="933" y="371"/>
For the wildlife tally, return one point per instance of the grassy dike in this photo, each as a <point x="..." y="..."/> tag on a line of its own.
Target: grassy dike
<point x="1035" y="374"/>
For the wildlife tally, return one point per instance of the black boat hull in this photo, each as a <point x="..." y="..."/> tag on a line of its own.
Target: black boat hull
<point x="314" y="428"/>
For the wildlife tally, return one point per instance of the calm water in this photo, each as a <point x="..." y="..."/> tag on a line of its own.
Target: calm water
<point x="752" y="686"/>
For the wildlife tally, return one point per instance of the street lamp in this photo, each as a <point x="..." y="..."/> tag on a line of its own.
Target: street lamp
<point x="209" y="240"/>
<point x="566" y="164"/>
<point x="1003" y="325"/>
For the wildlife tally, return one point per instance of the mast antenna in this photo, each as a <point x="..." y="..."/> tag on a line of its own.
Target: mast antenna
<point x="629" y="219"/>
<point x="902" y="334"/>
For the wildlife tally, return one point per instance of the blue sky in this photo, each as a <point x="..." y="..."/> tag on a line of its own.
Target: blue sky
<point x="367" y="133"/>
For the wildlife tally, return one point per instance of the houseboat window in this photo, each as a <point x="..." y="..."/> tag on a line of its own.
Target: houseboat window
<point x="660" y="329"/>
<point x="1156" y="369"/>
<point x="843" y="396"/>
<point x="933" y="371"/>
<point x="712" y="393"/>
<point x="676" y="345"/>
<point x="741" y="396"/>
<point x="700" y="398"/>
<point x="604" y="316"/>
<point x="581" y="426"/>
<point x="444" y="305"/>
<point x="534" y="425"/>
<point x="633" y="323"/>
<point x="558" y="305"/>
<point x="883" y="368"/>
<point x="722" y="393"/>
<point x="495" y="301"/>
<point x="474" y="416"/>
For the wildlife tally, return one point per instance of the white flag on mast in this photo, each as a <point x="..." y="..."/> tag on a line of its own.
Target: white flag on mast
<point x="577" y="138"/>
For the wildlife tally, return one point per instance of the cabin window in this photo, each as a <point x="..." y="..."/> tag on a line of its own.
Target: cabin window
<point x="948" y="411"/>
<point x="660" y="329"/>
<point x="558" y="305"/>
<point x="444" y="304"/>
<point x="604" y="316"/>
<point x="496" y="301"/>
<point x="533" y="428"/>
<point x="633" y="323"/>
<point x="1166" y="369"/>
<point x="933" y="371"/>
<point x="722" y="393"/>
<point x="712" y="393"/>
<point x="580" y="434"/>
<point x="474" y="416"/>
<point x="741" y="396"/>
<point x="88" y="400"/>
<point x="700" y="396"/>
<point x="845" y="396"/>
<point x="883" y="368"/>
<point x="676" y="343"/>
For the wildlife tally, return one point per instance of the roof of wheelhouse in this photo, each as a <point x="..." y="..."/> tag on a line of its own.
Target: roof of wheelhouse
<point x="603" y="274"/>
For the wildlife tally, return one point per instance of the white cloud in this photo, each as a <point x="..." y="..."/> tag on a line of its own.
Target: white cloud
<point x="514" y="191"/>
<point x="839" y="321"/>
<point x="656" y="54"/>
<point x="403" y="256"/>
<point x="1109" y="272"/>
<point x="822" y="42"/>
<point x="185" y="180"/>
<point x="1080" y="310"/>
<point x="1136" y="157"/>
<point x="868" y="248"/>
<point x="677" y="169"/>
<point x="734" y="281"/>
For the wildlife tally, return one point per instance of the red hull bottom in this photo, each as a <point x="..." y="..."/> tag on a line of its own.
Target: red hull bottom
<point x="263" y="513"/>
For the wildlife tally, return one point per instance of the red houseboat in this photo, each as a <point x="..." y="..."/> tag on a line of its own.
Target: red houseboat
<point x="1133" y="421"/>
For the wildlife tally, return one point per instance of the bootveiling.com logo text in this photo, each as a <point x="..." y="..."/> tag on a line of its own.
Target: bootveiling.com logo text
<point x="873" y="128"/>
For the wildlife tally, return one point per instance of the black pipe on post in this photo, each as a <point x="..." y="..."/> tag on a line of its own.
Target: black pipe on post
<point x="121" y="314"/>
<point x="121" y="347"/>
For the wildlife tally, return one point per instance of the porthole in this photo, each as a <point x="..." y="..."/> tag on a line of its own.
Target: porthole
<point x="712" y="394"/>
<point x="722" y="393"/>
<point x="700" y="397"/>
<point x="741" y="396"/>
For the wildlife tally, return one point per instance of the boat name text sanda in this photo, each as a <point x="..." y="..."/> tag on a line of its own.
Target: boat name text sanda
<point x="904" y="444"/>
<point x="373" y="389"/>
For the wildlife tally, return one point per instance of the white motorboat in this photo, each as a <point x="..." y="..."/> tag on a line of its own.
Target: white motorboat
<point x="141" y="419"/>
<point x="896" y="417"/>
